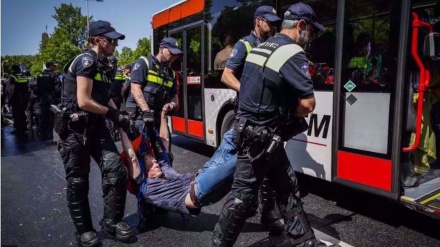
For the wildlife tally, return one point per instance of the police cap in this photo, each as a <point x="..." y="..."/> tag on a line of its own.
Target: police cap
<point x="267" y="12"/>
<point x="302" y="11"/>
<point x="171" y="44"/>
<point x="104" y="28"/>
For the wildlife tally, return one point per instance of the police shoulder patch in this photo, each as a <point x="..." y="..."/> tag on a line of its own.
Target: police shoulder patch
<point x="87" y="61"/>
<point x="305" y="69"/>
<point x="233" y="52"/>
<point x="136" y="66"/>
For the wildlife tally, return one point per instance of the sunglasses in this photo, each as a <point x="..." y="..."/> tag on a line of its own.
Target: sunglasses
<point x="111" y="41"/>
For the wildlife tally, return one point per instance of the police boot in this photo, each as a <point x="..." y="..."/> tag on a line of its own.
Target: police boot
<point x="78" y="203"/>
<point x="298" y="228"/>
<point x="270" y="216"/>
<point x="232" y="219"/>
<point x="115" y="192"/>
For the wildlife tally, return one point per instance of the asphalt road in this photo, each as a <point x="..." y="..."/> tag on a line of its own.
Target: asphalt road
<point x="34" y="210"/>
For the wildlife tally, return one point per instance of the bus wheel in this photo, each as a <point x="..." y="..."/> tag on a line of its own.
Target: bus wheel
<point x="227" y="123"/>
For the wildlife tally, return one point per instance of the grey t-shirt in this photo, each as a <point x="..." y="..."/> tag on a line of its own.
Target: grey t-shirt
<point x="169" y="191"/>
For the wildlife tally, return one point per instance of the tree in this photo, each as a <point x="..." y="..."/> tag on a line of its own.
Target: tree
<point x="143" y="48"/>
<point x="71" y="23"/>
<point x="66" y="41"/>
<point x="126" y="56"/>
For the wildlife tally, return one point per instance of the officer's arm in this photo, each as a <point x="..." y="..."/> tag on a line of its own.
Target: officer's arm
<point x="138" y="95"/>
<point x="84" y="95"/>
<point x="305" y="106"/>
<point x="228" y="78"/>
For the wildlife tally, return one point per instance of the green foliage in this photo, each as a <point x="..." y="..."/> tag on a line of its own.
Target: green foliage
<point x="143" y="49"/>
<point x="71" y="23"/>
<point x="7" y="61"/>
<point x="126" y="56"/>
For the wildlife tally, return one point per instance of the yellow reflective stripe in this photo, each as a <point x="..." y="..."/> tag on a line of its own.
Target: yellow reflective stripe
<point x="20" y="79"/>
<point x="247" y="45"/>
<point x="256" y="59"/>
<point x="98" y="77"/>
<point x="281" y="55"/>
<point x="119" y="77"/>
<point x="158" y="80"/>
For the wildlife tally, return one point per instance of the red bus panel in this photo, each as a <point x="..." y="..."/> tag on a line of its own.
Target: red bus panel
<point x="366" y="170"/>
<point x="195" y="128"/>
<point x="178" y="12"/>
<point x="178" y="124"/>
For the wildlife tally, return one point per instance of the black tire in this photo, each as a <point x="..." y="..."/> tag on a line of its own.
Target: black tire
<point x="227" y="123"/>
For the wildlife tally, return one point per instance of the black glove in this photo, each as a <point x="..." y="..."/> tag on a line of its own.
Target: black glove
<point x="119" y="118"/>
<point x="148" y="117"/>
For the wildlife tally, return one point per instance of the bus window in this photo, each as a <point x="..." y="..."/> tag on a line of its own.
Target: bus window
<point x="369" y="24"/>
<point x="194" y="72"/>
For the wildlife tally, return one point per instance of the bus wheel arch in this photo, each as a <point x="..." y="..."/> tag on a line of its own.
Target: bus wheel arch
<point x="227" y="118"/>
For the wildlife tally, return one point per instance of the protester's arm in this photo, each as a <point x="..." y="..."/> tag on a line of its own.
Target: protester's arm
<point x="163" y="132"/>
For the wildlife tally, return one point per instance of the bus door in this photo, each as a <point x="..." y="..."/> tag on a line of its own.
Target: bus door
<point x="364" y="144"/>
<point x="188" y="120"/>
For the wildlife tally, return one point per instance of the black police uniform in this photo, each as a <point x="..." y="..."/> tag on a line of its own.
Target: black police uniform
<point x="116" y="88"/>
<point x="86" y="136"/>
<point x="32" y="106"/>
<point x="45" y="90"/>
<point x="240" y="51"/>
<point x="159" y="87"/>
<point x="269" y="216"/>
<point x="273" y="79"/>
<point x="19" y="100"/>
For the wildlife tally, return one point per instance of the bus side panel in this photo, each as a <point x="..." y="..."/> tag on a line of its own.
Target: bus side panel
<point x="310" y="152"/>
<point x="178" y="12"/>
<point x="366" y="170"/>
<point x="215" y="98"/>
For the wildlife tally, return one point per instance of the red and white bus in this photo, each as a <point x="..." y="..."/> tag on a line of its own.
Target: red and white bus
<point x="374" y="72"/>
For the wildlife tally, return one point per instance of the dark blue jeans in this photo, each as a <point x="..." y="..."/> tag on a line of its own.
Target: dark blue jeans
<point x="213" y="181"/>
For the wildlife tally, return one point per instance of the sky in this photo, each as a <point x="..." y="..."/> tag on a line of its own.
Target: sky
<point x="23" y="21"/>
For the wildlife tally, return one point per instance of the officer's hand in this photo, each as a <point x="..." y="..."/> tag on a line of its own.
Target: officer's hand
<point x="148" y="117"/>
<point x="120" y="118"/>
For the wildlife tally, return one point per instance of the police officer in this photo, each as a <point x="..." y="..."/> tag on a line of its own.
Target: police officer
<point x="126" y="87"/>
<point x="81" y="127"/>
<point x="45" y="90"/>
<point x="19" y="91"/>
<point x="118" y="80"/>
<point x="265" y="21"/>
<point x="275" y="90"/>
<point x="153" y="84"/>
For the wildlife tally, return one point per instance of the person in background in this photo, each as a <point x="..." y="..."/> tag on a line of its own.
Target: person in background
<point x="45" y="90"/>
<point x="19" y="91"/>
<point x="222" y="56"/>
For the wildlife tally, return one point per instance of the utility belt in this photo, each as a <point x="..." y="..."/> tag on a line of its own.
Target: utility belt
<point x="257" y="142"/>
<point x="66" y="120"/>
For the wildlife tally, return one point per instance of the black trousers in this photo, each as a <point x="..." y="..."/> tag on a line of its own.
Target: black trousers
<point x="19" y="105"/>
<point x="247" y="180"/>
<point x="76" y="152"/>
<point x="45" y="118"/>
